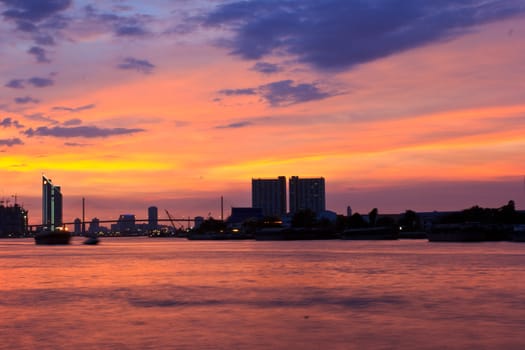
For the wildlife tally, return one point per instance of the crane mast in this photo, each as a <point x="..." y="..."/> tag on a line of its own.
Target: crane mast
<point x="171" y="220"/>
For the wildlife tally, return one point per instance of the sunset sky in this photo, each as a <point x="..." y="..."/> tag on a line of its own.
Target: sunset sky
<point x="399" y="104"/>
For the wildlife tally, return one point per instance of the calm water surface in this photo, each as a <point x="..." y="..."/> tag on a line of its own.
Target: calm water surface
<point x="142" y="293"/>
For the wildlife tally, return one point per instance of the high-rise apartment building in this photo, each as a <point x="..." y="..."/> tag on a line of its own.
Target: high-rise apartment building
<point x="153" y="218"/>
<point x="307" y="193"/>
<point x="270" y="196"/>
<point x="51" y="205"/>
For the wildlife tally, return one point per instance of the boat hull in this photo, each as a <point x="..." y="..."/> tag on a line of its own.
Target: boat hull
<point x="91" y="241"/>
<point x="518" y="233"/>
<point x="294" y="234"/>
<point x="456" y="236"/>
<point x="53" y="238"/>
<point x="370" y="233"/>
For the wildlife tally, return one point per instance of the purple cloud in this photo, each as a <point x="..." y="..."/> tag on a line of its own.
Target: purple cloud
<point x="25" y="100"/>
<point x="26" y="26"/>
<point x="44" y="39"/>
<point x="130" y="30"/>
<point x="39" y="53"/>
<point x="33" y="10"/>
<point x="142" y="66"/>
<point x="339" y="34"/>
<point x="40" y="82"/>
<point x="266" y="68"/>
<point x="127" y="26"/>
<point x="15" y="84"/>
<point x="11" y="142"/>
<point x="283" y="93"/>
<point x="8" y="122"/>
<point x="35" y="81"/>
<point x="42" y="18"/>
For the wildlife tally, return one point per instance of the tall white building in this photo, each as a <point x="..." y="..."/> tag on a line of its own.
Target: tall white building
<point x="51" y="205"/>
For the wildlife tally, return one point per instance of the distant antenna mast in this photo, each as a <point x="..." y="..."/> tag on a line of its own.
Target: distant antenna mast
<point x="83" y="216"/>
<point x="222" y="209"/>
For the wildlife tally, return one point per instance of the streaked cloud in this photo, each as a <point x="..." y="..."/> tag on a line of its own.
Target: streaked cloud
<point x="74" y="109"/>
<point x="238" y="92"/>
<point x="141" y="66"/>
<point x="39" y="117"/>
<point x="236" y="125"/>
<point x="80" y="131"/>
<point x="76" y="144"/>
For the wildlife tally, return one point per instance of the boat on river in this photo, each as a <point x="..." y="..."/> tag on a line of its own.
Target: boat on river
<point x="57" y="237"/>
<point x="91" y="240"/>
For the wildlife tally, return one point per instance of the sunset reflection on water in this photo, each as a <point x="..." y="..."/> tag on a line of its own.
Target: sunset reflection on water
<point x="142" y="293"/>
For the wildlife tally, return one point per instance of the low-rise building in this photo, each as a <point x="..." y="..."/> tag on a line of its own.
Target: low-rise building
<point x="13" y="221"/>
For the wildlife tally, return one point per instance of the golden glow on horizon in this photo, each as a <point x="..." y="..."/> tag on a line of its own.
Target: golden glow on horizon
<point x="69" y="163"/>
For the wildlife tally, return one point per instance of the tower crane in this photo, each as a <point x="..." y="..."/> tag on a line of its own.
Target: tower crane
<point x="171" y="220"/>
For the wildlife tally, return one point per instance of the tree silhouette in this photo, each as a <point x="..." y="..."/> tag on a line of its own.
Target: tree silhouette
<point x="356" y="221"/>
<point x="410" y="221"/>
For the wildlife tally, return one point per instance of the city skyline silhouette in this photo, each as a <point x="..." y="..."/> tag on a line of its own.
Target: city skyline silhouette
<point x="151" y="163"/>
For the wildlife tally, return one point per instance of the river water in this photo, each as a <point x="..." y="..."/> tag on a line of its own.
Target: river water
<point x="143" y="293"/>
